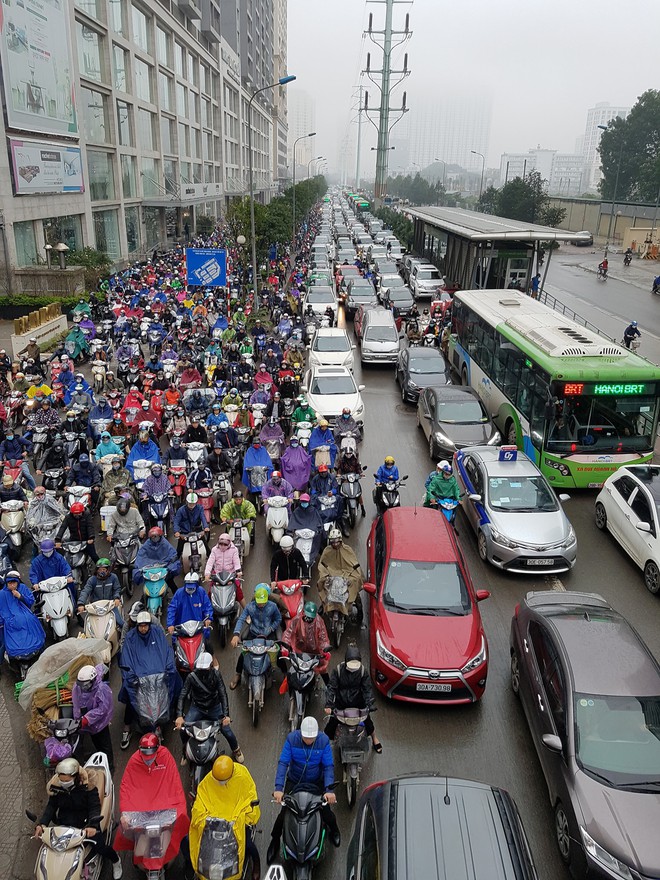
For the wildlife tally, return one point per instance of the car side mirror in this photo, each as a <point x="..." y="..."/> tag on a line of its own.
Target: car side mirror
<point x="483" y="594"/>
<point x="303" y="388"/>
<point x="428" y="416"/>
<point x="370" y="588"/>
<point x="552" y="742"/>
<point x="361" y="387"/>
<point x="564" y="497"/>
<point x="474" y="497"/>
<point x="643" y="527"/>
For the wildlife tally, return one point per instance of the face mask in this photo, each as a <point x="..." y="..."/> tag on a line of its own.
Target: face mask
<point x="148" y="760"/>
<point x="190" y="590"/>
<point x="68" y="784"/>
<point x="116" y="466"/>
<point x="10" y="436"/>
<point x="47" y="553"/>
<point x="304" y="504"/>
<point x="155" y="540"/>
<point x="85" y="686"/>
<point x="294" y="444"/>
<point x="345" y="416"/>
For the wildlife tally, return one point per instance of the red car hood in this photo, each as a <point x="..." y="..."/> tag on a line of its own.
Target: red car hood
<point x="431" y="642"/>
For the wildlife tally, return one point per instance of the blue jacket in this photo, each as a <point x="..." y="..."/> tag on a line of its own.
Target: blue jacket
<point x="23" y="632"/>
<point x="264" y="619"/>
<point x="323" y="437"/>
<point x="311" y="764"/>
<point x="14" y="448"/>
<point x="148" y="450"/>
<point x="44" y="567"/>
<point x="217" y="419"/>
<point x="187" y="521"/>
<point x="385" y="474"/>
<point x="183" y="607"/>
<point x="151" y="555"/>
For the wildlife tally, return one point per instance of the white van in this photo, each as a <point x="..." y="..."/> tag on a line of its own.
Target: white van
<point x="379" y="339"/>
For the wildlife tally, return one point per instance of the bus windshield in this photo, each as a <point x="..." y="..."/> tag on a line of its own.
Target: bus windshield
<point x="599" y="424"/>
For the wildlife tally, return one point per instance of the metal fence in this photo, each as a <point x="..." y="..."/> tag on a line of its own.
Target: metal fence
<point x="553" y="303"/>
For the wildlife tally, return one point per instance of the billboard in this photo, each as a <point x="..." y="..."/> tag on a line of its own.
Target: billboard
<point x="206" y="267"/>
<point x="40" y="167"/>
<point x="37" y="68"/>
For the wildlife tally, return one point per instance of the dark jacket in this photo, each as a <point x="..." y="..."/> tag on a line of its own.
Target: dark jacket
<point x="15" y="448"/>
<point x="78" y="807"/>
<point x="187" y="521"/>
<point x="204" y="694"/>
<point x="80" y="529"/>
<point x="96" y="589"/>
<point x="288" y="568"/>
<point x="349" y="690"/>
<point x="195" y="435"/>
<point x="80" y="476"/>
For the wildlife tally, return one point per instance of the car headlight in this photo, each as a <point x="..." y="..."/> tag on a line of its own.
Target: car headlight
<point x="388" y="656"/>
<point x="495" y="439"/>
<point x="500" y="539"/>
<point x="477" y="660"/>
<point x="413" y="385"/>
<point x="358" y="411"/>
<point x="602" y="857"/>
<point x="570" y="538"/>
<point x="444" y="439"/>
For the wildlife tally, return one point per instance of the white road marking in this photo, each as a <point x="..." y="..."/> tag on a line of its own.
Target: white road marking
<point x="554" y="583"/>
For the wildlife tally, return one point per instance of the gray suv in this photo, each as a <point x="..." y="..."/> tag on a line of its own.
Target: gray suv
<point x="590" y="689"/>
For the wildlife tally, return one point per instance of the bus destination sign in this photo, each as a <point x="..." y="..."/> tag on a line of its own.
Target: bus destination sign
<point x="607" y="389"/>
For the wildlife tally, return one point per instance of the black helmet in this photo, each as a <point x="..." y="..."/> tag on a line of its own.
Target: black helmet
<point x="123" y="506"/>
<point x="352" y="653"/>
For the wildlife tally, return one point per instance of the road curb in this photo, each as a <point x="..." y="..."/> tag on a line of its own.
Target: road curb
<point x="11" y="797"/>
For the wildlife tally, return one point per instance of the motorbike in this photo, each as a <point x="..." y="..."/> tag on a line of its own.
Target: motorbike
<point x="141" y="470"/>
<point x="232" y="456"/>
<point x="159" y="509"/>
<point x="237" y="529"/>
<point x="335" y="607"/>
<point x="301" y="679"/>
<point x="152" y="702"/>
<point x="449" y="507"/>
<point x="83" y="494"/>
<point x="100" y="623"/>
<point x="656" y="286"/>
<point x="40" y="441"/>
<point x="155" y="587"/>
<point x="202" y="748"/>
<point x="151" y="832"/>
<point x="223" y="599"/>
<point x="304" y="541"/>
<point x="389" y="495"/>
<point x="258" y="414"/>
<point x="303" y="834"/>
<point x="328" y="506"/>
<point x="74" y="553"/>
<point x="194" y="553"/>
<point x="222" y="486"/>
<point x="277" y="518"/>
<point x="206" y="498"/>
<point x="188" y="644"/>
<point x="291" y="595"/>
<point x="67" y="852"/>
<point x="196" y="455"/>
<point x="258" y="672"/>
<point x="54" y="479"/>
<point x="55" y="605"/>
<point x="97" y="427"/>
<point x="12" y="520"/>
<point x="74" y="445"/>
<point x="99" y="369"/>
<point x="64" y="738"/>
<point x="288" y="409"/>
<point x="303" y="433"/>
<point x="123" y="553"/>
<point x="602" y="273"/>
<point x="351" y="491"/>
<point x="176" y="474"/>
<point x="353" y="743"/>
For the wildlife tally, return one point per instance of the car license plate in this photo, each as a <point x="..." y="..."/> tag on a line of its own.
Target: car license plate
<point x="540" y="562"/>
<point x="433" y="686"/>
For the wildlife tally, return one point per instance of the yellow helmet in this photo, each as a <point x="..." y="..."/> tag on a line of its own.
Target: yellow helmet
<point x="223" y="768"/>
<point x="389" y="459"/>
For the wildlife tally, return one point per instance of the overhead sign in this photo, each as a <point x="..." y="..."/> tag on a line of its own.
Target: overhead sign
<point x="45" y="167"/>
<point x="200" y="190"/>
<point x="37" y="68"/>
<point x="206" y="267"/>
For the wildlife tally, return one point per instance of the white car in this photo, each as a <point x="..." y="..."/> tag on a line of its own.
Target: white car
<point x="330" y="389"/>
<point x="331" y="347"/>
<point x="319" y="297"/>
<point x="627" y="506"/>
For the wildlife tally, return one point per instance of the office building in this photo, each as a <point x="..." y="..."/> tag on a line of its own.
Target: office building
<point x="564" y="172"/>
<point x="302" y="120"/>
<point x="448" y="128"/>
<point x="601" y="114"/>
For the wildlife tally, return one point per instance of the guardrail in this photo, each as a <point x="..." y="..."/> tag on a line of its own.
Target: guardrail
<point x="558" y="306"/>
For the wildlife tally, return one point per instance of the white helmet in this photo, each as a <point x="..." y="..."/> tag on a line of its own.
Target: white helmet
<point x="444" y="465"/>
<point x="309" y="727"/>
<point x="335" y="535"/>
<point x="191" y="578"/>
<point x="87" y="673"/>
<point x="286" y="542"/>
<point x="191" y="498"/>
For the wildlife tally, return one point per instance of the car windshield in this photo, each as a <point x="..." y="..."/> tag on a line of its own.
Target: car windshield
<point x="399" y="294"/>
<point x="521" y="493"/>
<point x="320" y="279"/>
<point x="428" y="275"/>
<point x="460" y="412"/>
<point x="333" y="385"/>
<point x="427" y="366"/>
<point x="619" y="738"/>
<point x="381" y="334"/>
<point x="425" y="588"/>
<point x="320" y="296"/>
<point x="393" y="283"/>
<point x="331" y="343"/>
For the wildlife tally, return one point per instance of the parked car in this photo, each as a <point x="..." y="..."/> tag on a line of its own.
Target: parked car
<point x="331" y="347"/>
<point x="519" y="522"/>
<point x="452" y="417"/>
<point x="590" y="690"/>
<point x="330" y="389"/>
<point x="419" y="368"/>
<point x="427" y="641"/>
<point x="428" y="827"/>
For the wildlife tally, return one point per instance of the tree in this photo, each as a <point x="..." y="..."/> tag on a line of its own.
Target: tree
<point x="416" y="189"/>
<point x="522" y="199"/>
<point x="634" y="144"/>
<point x="488" y="201"/>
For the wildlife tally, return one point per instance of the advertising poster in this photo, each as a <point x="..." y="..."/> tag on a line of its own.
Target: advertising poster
<point x="40" y="167"/>
<point x="37" y="69"/>
<point x="206" y="267"/>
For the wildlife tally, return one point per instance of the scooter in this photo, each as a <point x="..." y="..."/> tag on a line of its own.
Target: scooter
<point x="303" y="433"/>
<point x="202" y="748"/>
<point x="277" y="518"/>
<point x="176" y="474"/>
<point x="303" y="834"/>
<point x="56" y="605"/>
<point x="232" y="457"/>
<point x="206" y="498"/>
<point x="54" y="479"/>
<point x="99" y="369"/>
<point x="258" y="672"/>
<point x="155" y="587"/>
<point x="83" y="494"/>
<point x="123" y="553"/>
<point x="40" y="441"/>
<point x="152" y="702"/>
<point x="193" y="557"/>
<point x="328" y="506"/>
<point x="223" y="599"/>
<point x="188" y="644"/>
<point x="160" y="510"/>
<point x="240" y="536"/>
<point x="335" y="606"/>
<point x="292" y="596"/>
<point x="304" y="541"/>
<point x="141" y="470"/>
<point x="64" y="738"/>
<point x="448" y="506"/>
<point x="151" y="833"/>
<point x="389" y="495"/>
<point x="222" y="487"/>
<point x="257" y="476"/>
<point x="74" y="445"/>
<point x="301" y="678"/>
<point x="351" y="491"/>
<point x="353" y="743"/>
<point x="196" y="455"/>
<point x="67" y="852"/>
<point x="100" y="623"/>
<point x="74" y="553"/>
<point x="12" y="520"/>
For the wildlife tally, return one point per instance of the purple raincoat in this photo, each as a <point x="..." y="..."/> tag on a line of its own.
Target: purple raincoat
<point x="296" y="464"/>
<point x="95" y="705"/>
<point x="272" y="437"/>
<point x="269" y="490"/>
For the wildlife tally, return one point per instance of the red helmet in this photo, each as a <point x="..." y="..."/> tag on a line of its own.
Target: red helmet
<point x="323" y="469"/>
<point x="77" y="507"/>
<point x="156" y="532"/>
<point x="149" y="744"/>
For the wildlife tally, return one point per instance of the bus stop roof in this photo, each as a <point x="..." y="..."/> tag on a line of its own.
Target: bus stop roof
<point x="475" y="226"/>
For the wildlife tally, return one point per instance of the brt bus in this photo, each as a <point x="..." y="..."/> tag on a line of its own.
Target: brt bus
<point x="578" y="404"/>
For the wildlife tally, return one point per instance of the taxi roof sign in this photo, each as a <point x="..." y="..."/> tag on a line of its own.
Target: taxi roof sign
<point x="508" y="453"/>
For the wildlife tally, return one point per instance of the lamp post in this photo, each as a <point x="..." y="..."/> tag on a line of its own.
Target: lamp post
<point x="444" y="168"/>
<point x="616" y="187"/>
<point x="310" y="162"/>
<point x="293" y="204"/>
<point x="282" y="81"/>
<point x="483" y="166"/>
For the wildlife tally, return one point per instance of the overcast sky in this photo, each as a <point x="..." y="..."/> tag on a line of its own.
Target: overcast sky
<point x="543" y="62"/>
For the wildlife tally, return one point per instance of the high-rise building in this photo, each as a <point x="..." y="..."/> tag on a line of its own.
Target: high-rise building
<point x="601" y="114"/>
<point x="564" y="172"/>
<point x="448" y="128"/>
<point x="280" y="97"/>
<point x="302" y="121"/>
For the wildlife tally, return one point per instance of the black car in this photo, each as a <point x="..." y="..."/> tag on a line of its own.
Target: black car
<point x="419" y="368"/>
<point x="453" y="416"/>
<point x="359" y="292"/>
<point x="399" y="299"/>
<point x="419" y="827"/>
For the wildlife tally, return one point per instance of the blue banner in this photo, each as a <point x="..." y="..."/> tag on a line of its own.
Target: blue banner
<point x="206" y="267"/>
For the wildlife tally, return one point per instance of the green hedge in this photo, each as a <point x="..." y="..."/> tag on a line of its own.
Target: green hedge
<point x="36" y="301"/>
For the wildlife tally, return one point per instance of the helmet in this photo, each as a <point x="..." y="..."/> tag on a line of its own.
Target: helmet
<point x="238" y="494"/>
<point x="204" y="661"/>
<point x="276" y="475"/>
<point x="444" y="466"/>
<point x="102" y="401"/>
<point x="143" y="617"/>
<point x="71" y="414"/>
<point x="323" y="423"/>
<point x="310" y="610"/>
<point x="309" y="727"/>
<point x="135" y="610"/>
<point x="86" y="677"/>
<point x="47" y="546"/>
<point x="7" y="480"/>
<point x="157" y="468"/>
<point x="323" y="469"/>
<point x="286" y="542"/>
<point x="261" y="594"/>
<point x="13" y="575"/>
<point x="191" y="498"/>
<point x="191" y="578"/>
<point x="389" y="459"/>
<point x="145" y="404"/>
<point x="77" y="508"/>
<point x="123" y="506"/>
<point x="103" y="562"/>
<point x="633" y="323"/>
<point x="335" y="535"/>
<point x="149" y="744"/>
<point x="68" y="767"/>
<point x="353" y="658"/>
<point x="304" y="497"/>
<point x="156" y="532"/>
<point x="223" y="768"/>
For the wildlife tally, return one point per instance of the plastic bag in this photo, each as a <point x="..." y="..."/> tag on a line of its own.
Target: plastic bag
<point x="218" y="850"/>
<point x="152" y="700"/>
<point x="55" y="661"/>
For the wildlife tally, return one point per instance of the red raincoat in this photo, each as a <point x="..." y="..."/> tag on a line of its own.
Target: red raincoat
<point x="311" y="638"/>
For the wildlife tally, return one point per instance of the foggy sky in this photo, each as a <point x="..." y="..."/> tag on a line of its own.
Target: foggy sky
<point x="543" y="62"/>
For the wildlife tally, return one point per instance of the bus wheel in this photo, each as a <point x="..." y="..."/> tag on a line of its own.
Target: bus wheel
<point x="464" y="378"/>
<point x="511" y="433"/>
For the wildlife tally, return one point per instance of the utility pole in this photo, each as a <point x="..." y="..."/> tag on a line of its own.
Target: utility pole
<point x="384" y="39"/>
<point x="359" y="141"/>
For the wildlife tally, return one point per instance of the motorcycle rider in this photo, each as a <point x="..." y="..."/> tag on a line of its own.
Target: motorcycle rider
<point x="86" y="473"/>
<point x="287" y="563"/>
<point x="11" y="490"/>
<point x="15" y="447"/>
<point x="143" y="448"/>
<point x="225" y="557"/>
<point x="631" y="332"/>
<point x="205" y="690"/>
<point x="306" y="633"/>
<point x="21" y="632"/>
<point x="74" y="803"/>
<point x="260" y="619"/>
<point x="93" y="705"/>
<point x="157" y="483"/>
<point x="303" y="412"/>
<point x="388" y="472"/>
<point x="350" y="688"/>
<point x="189" y="518"/>
<point x="240" y="508"/>
<point x="112" y="383"/>
<point x="200" y="477"/>
<point x="232" y="398"/>
<point x="442" y="485"/>
<point x="106" y="446"/>
<point x="102" y="585"/>
<point x="305" y="761"/>
<point x="339" y="560"/>
<point x="322" y="436"/>
<point x="157" y="551"/>
<point x="175" y="452"/>
<point x="116" y="481"/>
<point x="49" y="563"/>
<point x="80" y="526"/>
<point x="190" y="602"/>
<point x="255" y="456"/>
<point x="54" y="457"/>
<point x="195" y="432"/>
<point x="603" y="267"/>
<point x="276" y="486"/>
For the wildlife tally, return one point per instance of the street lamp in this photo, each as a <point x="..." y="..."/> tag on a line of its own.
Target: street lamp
<point x="483" y="165"/>
<point x="293" y="206"/>
<point x="310" y="162"/>
<point x="444" y="168"/>
<point x="616" y="187"/>
<point x="282" y="81"/>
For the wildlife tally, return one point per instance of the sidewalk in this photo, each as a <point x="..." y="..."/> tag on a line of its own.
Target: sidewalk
<point x="11" y="799"/>
<point x="640" y="273"/>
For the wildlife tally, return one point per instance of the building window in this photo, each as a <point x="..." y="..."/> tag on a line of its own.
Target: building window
<point x="151" y="177"/>
<point x="141" y="27"/>
<point x="66" y="229"/>
<point x="170" y="175"/>
<point x="194" y="107"/>
<point x="143" y="80"/>
<point x="197" y="173"/>
<point x="119" y="68"/>
<point x="163" y="47"/>
<point x="208" y="174"/>
<point x="106" y="231"/>
<point x="182" y="100"/>
<point x="167" y="135"/>
<point x="184" y="140"/>
<point x="128" y="180"/>
<point x="179" y="59"/>
<point x="165" y="91"/>
<point x="26" y="245"/>
<point x="95" y="118"/>
<point x="132" y="218"/>
<point x="152" y="226"/>
<point x="206" y="79"/>
<point x="125" y="124"/>
<point x="89" y="52"/>
<point x="206" y="113"/>
<point x="101" y="176"/>
<point x="88" y="6"/>
<point x="116" y="16"/>
<point x="146" y="134"/>
<point x="196" y="143"/>
<point x="185" y="172"/>
<point x="193" y="69"/>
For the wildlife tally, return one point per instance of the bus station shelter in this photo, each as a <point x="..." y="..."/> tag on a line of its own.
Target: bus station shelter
<point x="475" y="250"/>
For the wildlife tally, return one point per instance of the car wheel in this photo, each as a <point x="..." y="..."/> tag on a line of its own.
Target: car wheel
<point x="652" y="577"/>
<point x="601" y="516"/>
<point x="511" y="433"/>
<point x="515" y="673"/>
<point x="563" y="833"/>
<point x="431" y="447"/>
<point x="482" y="547"/>
<point x="464" y="378"/>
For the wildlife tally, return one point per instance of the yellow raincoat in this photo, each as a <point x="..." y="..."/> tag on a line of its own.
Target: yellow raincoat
<point x="33" y="390"/>
<point x="230" y="801"/>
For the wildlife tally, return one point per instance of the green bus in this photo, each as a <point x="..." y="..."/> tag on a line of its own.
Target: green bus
<point x="578" y="404"/>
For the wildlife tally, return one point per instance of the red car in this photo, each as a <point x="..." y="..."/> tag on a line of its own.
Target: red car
<point x="426" y="635"/>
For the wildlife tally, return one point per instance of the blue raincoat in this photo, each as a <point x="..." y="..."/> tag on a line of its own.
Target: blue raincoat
<point x="151" y="555"/>
<point x="23" y="632"/>
<point x="323" y="437"/>
<point x="146" y="655"/>
<point x="183" y="607"/>
<point x="256" y="458"/>
<point x="149" y="450"/>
